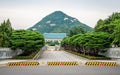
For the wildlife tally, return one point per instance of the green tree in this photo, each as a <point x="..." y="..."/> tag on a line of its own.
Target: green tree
<point x="99" y="24"/>
<point x="76" y="30"/>
<point x="52" y="43"/>
<point x="111" y="26"/>
<point x="108" y="25"/>
<point x="5" y="33"/>
<point x="96" y="42"/>
<point x="116" y="34"/>
<point x="0" y="39"/>
<point x="28" y="41"/>
<point x="89" y="43"/>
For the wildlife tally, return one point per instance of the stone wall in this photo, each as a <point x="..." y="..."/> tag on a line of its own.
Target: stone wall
<point x="8" y="53"/>
<point x="112" y="52"/>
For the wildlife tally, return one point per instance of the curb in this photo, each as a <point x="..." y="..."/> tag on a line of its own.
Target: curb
<point x="38" y="55"/>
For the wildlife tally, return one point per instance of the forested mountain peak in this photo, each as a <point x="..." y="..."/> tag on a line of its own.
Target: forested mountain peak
<point x="58" y="22"/>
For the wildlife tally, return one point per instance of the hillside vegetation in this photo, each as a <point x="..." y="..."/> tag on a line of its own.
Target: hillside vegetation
<point x="58" y="22"/>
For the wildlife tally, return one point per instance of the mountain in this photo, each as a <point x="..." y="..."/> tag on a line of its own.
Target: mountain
<point x="58" y="22"/>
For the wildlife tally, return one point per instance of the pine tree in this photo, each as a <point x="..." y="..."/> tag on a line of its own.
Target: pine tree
<point x="5" y="33"/>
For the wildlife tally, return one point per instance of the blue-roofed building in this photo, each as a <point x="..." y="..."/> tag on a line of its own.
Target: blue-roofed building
<point x="54" y="36"/>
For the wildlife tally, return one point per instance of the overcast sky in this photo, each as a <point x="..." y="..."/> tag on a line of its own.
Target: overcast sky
<point x="25" y="13"/>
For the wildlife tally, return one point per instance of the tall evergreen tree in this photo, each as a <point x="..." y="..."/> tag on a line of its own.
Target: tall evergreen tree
<point x="108" y="24"/>
<point x="116" y="34"/>
<point x="77" y="30"/>
<point x="5" y="33"/>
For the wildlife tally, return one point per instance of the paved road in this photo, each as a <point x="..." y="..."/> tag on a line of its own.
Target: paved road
<point x="59" y="56"/>
<point x="60" y="70"/>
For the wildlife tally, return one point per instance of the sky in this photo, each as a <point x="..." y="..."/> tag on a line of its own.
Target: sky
<point x="26" y="13"/>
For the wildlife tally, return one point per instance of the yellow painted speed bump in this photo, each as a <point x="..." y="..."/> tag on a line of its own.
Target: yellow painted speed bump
<point x="101" y="63"/>
<point x="23" y="63"/>
<point x="62" y="63"/>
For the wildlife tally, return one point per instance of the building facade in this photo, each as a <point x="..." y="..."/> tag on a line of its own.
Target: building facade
<point x="54" y="36"/>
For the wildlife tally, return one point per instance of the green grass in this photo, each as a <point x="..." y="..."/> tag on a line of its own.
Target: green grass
<point x="26" y="57"/>
<point x="89" y="57"/>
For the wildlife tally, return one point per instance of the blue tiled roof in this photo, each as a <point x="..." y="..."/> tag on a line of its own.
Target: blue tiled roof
<point x="54" y="35"/>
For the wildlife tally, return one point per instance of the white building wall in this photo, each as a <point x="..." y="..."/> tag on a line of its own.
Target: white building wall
<point x="59" y="40"/>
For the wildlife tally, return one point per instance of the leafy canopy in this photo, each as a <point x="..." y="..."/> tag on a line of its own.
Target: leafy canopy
<point x="110" y="25"/>
<point x="28" y="41"/>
